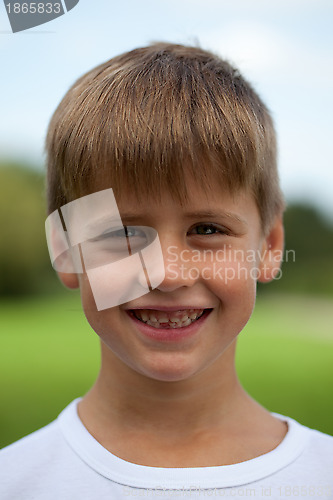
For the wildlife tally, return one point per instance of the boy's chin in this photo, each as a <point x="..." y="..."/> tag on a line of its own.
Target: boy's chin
<point x="182" y="367"/>
<point x="169" y="372"/>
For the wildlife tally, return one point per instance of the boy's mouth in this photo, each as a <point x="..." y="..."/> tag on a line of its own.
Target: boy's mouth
<point x="168" y="319"/>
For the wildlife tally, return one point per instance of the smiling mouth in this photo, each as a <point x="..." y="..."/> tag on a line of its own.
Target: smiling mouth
<point x="168" y="319"/>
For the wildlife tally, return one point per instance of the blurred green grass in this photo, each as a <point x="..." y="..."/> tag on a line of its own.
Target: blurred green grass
<point x="49" y="355"/>
<point x="285" y="358"/>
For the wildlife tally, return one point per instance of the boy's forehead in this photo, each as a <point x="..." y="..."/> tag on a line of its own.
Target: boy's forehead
<point x="196" y="191"/>
<point x="199" y="204"/>
<point x="213" y="194"/>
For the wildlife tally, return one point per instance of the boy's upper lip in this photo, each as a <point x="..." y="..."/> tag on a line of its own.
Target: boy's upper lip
<point x="176" y="307"/>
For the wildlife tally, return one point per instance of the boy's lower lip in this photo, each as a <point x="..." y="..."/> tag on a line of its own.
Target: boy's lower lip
<point x="169" y="334"/>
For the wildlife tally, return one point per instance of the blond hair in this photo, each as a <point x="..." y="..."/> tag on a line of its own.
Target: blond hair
<point x="148" y="117"/>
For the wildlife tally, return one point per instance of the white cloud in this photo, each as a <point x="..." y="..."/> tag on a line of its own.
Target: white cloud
<point x="253" y="46"/>
<point x="268" y="53"/>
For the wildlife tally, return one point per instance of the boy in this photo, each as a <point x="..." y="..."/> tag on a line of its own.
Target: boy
<point x="165" y="210"/>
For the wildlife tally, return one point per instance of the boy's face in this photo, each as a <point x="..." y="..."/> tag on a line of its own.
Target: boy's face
<point x="213" y="250"/>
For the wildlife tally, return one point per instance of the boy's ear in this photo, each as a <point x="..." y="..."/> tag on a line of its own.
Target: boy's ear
<point x="70" y="280"/>
<point x="272" y="252"/>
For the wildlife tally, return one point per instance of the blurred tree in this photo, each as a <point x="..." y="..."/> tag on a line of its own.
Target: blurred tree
<point x="24" y="261"/>
<point x="308" y="262"/>
<point x="308" y="233"/>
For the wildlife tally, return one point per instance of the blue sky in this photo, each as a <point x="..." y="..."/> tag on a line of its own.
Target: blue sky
<point x="285" y="48"/>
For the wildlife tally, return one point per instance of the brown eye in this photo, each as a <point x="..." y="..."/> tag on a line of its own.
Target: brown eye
<point x="207" y="229"/>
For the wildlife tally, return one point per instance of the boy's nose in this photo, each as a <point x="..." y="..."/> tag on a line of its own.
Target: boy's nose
<point x="179" y="271"/>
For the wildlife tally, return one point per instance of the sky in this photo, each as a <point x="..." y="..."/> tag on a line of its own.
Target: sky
<point x="284" y="48"/>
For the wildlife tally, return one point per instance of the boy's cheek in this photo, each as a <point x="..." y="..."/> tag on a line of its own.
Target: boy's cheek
<point x="103" y="290"/>
<point x="117" y="283"/>
<point x="231" y="274"/>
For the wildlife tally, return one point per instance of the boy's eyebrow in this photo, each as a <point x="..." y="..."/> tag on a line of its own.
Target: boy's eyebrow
<point x="211" y="214"/>
<point x="103" y="223"/>
<point x="199" y="214"/>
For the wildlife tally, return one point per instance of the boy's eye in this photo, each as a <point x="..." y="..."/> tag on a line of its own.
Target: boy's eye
<point x="115" y="243"/>
<point x="116" y="240"/>
<point x="130" y="232"/>
<point x="208" y="229"/>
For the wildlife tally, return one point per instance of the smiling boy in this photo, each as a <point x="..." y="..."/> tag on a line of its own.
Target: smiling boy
<point x="187" y="148"/>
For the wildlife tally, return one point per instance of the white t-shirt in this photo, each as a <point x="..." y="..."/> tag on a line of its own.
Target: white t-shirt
<point x="62" y="461"/>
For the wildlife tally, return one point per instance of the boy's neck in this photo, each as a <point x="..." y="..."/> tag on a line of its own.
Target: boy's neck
<point x="205" y="421"/>
<point x="125" y="400"/>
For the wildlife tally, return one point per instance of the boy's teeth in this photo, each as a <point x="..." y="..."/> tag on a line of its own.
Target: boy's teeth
<point x="187" y="322"/>
<point x="144" y="316"/>
<point x="174" y="319"/>
<point x="164" y="320"/>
